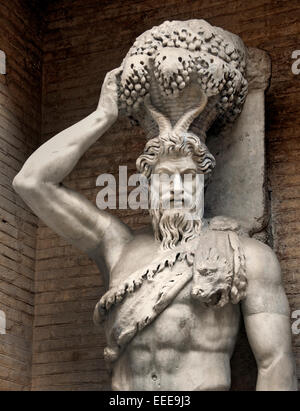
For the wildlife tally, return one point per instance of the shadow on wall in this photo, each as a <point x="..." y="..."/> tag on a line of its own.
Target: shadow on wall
<point x="243" y="365"/>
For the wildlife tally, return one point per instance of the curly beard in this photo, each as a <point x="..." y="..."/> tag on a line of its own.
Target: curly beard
<point x="174" y="226"/>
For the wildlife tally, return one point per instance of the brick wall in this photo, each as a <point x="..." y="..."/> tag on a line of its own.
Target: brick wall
<point x="85" y="39"/>
<point x="82" y="41"/>
<point x="20" y="108"/>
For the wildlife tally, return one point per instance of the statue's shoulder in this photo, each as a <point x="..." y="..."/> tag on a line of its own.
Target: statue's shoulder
<point x="223" y="223"/>
<point x="137" y="253"/>
<point x="262" y="264"/>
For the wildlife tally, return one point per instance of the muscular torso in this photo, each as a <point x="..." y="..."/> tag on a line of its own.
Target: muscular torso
<point x="187" y="347"/>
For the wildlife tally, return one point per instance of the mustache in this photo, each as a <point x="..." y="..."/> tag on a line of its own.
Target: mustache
<point x="167" y="201"/>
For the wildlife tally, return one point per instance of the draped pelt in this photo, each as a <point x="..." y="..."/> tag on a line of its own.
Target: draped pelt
<point x="215" y="264"/>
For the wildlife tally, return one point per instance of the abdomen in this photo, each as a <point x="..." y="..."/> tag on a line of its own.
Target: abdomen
<point x="184" y="345"/>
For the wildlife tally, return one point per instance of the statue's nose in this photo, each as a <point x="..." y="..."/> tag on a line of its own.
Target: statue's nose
<point x="177" y="186"/>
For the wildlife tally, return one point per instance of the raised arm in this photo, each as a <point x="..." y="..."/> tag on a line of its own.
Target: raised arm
<point x="68" y="213"/>
<point x="267" y="320"/>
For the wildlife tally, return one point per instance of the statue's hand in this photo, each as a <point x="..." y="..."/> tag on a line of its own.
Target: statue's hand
<point x="108" y="101"/>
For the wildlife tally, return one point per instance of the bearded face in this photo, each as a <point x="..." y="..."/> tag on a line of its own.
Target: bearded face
<point x="177" y="199"/>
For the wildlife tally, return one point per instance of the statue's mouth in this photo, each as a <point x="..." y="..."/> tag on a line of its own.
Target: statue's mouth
<point x="177" y="202"/>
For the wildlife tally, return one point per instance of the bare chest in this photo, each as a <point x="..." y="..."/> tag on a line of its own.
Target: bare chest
<point x="189" y="325"/>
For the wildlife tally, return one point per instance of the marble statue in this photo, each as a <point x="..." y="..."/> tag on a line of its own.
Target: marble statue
<point x="175" y="290"/>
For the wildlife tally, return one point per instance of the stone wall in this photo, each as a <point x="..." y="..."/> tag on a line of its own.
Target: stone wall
<point x="20" y="121"/>
<point x="84" y="39"/>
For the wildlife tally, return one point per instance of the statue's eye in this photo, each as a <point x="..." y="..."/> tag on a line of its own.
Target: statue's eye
<point x="164" y="178"/>
<point x="188" y="175"/>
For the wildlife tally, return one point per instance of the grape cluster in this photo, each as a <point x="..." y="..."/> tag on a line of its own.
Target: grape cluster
<point x="176" y="53"/>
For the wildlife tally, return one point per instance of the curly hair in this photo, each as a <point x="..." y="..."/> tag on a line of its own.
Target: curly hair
<point x="187" y="144"/>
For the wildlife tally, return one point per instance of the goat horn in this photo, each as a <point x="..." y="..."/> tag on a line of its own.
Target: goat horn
<point x="186" y="120"/>
<point x="162" y="121"/>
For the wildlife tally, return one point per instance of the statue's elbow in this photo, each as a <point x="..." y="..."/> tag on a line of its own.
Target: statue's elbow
<point x="24" y="186"/>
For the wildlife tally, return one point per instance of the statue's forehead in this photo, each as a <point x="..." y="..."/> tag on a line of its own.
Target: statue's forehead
<point x="174" y="162"/>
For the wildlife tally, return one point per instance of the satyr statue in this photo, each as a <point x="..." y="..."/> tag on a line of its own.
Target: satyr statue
<point x="175" y="291"/>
